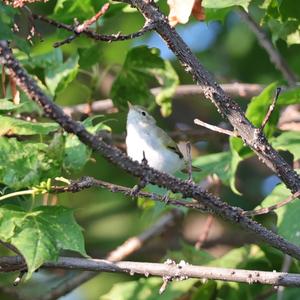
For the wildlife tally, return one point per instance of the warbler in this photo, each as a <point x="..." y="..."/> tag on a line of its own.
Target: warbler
<point x="146" y="140"/>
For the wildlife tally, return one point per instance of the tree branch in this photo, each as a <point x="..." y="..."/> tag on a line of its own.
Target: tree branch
<point x="92" y="34"/>
<point x="241" y="90"/>
<point x="251" y="135"/>
<point x="114" y="155"/>
<point x="88" y="182"/>
<point x="274" y="54"/>
<point x="215" y="128"/>
<point x="266" y="210"/>
<point x="179" y="272"/>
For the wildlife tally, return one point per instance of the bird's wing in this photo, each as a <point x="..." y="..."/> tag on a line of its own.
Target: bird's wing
<point x="169" y="142"/>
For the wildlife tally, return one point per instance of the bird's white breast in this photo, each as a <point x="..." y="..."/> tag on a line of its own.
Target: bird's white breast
<point x="159" y="157"/>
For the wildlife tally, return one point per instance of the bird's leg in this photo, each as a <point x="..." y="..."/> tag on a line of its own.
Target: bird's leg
<point x="143" y="181"/>
<point x="189" y="161"/>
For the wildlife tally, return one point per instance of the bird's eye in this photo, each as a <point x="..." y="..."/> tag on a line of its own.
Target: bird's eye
<point x="143" y="113"/>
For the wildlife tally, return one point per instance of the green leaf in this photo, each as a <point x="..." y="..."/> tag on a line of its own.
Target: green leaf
<point x="7" y="17"/>
<point x="206" y="291"/>
<point x="77" y="154"/>
<point x="288" y="141"/>
<point x="283" y="18"/>
<point x="258" y="107"/>
<point x="53" y="58"/>
<point x="291" y="96"/>
<point x="90" y="56"/>
<point x="143" y="66"/>
<point x="59" y="76"/>
<point x="66" y="10"/>
<point x="288" y="215"/>
<point x="236" y="258"/>
<point x="24" y="164"/>
<point x="19" y="127"/>
<point x="147" y="289"/>
<point x="8" y="105"/>
<point x="39" y="235"/>
<point x="216" y="14"/>
<point x="223" y="164"/>
<point x="217" y="4"/>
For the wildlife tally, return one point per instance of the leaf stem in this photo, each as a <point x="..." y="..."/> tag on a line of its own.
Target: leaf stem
<point x="19" y="193"/>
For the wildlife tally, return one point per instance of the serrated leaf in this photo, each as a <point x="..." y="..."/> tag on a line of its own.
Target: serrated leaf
<point x="141" y="67"/>
<point x="288" y="141"/>
<point x="59" y="76"/>
<point x="288" y="215"/>
<point x="14" y="126"/>
<point x="39" y="235"/>
<point x="24" y="164"/>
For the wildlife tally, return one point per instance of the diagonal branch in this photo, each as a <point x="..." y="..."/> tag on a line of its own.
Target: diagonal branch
<point x="170" y="269"/>
<point x="114" y="155"/>
<point x="251" y="135"/>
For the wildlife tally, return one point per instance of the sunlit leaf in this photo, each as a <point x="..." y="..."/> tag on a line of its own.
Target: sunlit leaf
<point x="40" y="234"/>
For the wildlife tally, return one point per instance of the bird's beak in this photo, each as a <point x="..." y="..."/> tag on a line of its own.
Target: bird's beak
<point x="129" y="104"/>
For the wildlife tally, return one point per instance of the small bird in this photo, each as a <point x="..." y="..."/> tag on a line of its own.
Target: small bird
<point x="146" y="140"/>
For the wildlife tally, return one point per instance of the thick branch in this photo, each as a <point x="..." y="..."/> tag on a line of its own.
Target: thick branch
<point x="274" y="54"/>
<point x="252" y="136"/>
<point x="181" y="271"/>
<point x="186" y="188"/>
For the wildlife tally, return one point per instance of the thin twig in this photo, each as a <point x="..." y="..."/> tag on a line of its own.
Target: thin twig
<point x="266" y="210"/>
<point x="187" y="189"/>
<point x="87" y="182"/>
<point x="205" y="231"/>
<point x="78" y="29"/>
<point x="130" y="246"/>
<point x="274" y="54"/>
<point x="92" y="34"/>
<point x="271" y="109"/>
<point x="242" y="90"/>
<point x="215" y="128"/>
<point x="181" y="271"/>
